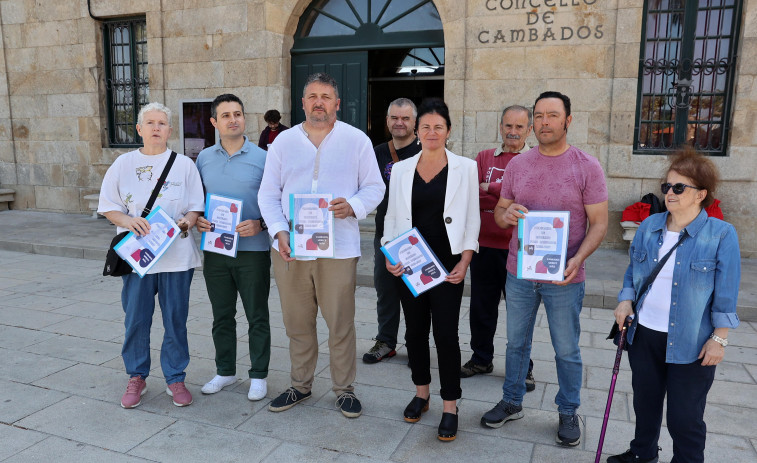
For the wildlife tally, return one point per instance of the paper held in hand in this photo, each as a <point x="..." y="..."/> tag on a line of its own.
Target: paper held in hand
<point x="542" y="245"/>
<point x="312" y="229"/>
<point x="423" y="270"/>
<point x="142" y="252"/>
<point x="224" y="214"/>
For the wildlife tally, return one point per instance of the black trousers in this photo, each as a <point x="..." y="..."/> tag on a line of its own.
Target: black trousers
<point x="686" y="387"/>
<point x="438" y="307"/>
<point x="488" y="274"/>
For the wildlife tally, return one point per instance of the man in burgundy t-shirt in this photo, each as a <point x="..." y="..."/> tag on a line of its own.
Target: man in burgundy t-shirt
<point x="488" y="268"/>
<point x="554" y="176"/>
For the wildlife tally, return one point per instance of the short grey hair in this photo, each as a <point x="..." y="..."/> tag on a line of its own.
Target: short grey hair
<point x="517" y="107"/>
<point x="402" y="102"/>
<point x="321" y="78"/>
<point x="154" y="106"/>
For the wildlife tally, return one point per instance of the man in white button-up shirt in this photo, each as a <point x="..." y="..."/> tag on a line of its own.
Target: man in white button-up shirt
<point x="321" y="155"/>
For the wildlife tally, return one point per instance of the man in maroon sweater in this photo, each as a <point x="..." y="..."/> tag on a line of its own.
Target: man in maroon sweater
<point x="487" y="269"/>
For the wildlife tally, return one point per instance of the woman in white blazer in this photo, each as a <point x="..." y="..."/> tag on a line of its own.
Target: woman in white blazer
<point x="435" y="191"/>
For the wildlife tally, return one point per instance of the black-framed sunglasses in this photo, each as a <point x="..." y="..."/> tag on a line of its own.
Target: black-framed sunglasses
<point x="678" y="188"/>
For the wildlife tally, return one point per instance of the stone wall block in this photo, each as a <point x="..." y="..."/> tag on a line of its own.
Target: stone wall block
<point x="12" y="36"/>
<point x="469" y="128"/>
<point x="54" y="129"/>
<point x="496" y="64"/>
<point x="744" y="130"/>
<point x="240" y="46"/>
<point x="190" y="49"/>
<point x="748" y="58"/>
<point x="585" y="61"/>
<point x="454" y="63"/>
<point x="56" y="198"/>
<point x="623" y="192"/>
<point x="621" y="127"/>
<point x="629" y="25"/>
<point x="598" y="130"/>
<point x="50" y="82"/>
<point x="493" y="95"/>
<point x="578" y="132"/>
<point x="487" y="127"/>
<point x="627" y="60"/>
<point x="74" y="105"/>
<point x="749" y="26"/>
<point x="13" y="12"/>
<point x="240" y="73"/>
<point x="6" y="129"/>
<point x="130" y="8"/>
<point x="194" y="75"/>
<point x="24" y="197"/>
<point x="584" y="96"/>
<point x="22" y="59"/>
<point x="89" y="129"/>
<point x="6" y="152"/>
<point x="42" y="34"/>
<point x="76" y="56"/>
<point x="54" y="152"/>
<point x="275" y="17"/>
<point x="55" y="11"/>
<point x="204" y="21"/>
<point x="7" y="173"/>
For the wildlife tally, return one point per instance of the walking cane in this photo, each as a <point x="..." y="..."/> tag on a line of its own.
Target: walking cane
<point x="615" y="369"/>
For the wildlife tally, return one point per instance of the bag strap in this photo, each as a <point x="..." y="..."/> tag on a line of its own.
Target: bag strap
<point x="159" y="185"/>
<point x="393" y="151"/>
<point x="650" y="279"/>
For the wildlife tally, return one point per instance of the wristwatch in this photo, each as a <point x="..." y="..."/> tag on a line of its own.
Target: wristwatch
<point x="263" y="226"/>
<point x="719" y="340"/>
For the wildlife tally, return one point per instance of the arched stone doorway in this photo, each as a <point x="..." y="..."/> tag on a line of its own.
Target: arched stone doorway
<point x="378" y="50"/>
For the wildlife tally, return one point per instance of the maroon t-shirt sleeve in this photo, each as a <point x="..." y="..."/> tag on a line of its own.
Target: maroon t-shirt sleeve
<point x="595" y="186"/>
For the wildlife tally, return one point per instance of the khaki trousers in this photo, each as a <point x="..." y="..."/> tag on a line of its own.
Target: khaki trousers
<point x="305" y="285"/>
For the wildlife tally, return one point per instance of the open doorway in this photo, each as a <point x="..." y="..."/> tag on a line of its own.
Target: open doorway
<point x="377" y="51"/>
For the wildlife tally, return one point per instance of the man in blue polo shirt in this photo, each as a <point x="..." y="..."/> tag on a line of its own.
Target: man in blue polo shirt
<point x="234" y="167"/>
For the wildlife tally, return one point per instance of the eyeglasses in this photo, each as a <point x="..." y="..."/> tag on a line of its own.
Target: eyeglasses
<point x="678" y="188"/>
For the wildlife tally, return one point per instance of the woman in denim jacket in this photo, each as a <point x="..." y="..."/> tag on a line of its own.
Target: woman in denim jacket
<point x="681" y="329"/>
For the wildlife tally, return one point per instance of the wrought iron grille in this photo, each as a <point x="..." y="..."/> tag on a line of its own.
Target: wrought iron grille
<point x="127" y="80"/>
<point x="686" y="74"/>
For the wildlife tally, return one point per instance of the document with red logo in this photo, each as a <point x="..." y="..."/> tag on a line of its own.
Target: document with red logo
<point x="312" y="229"/>
<point x="423" y="270"/>
<point x="224" y="214"/>
<point x="142" y="252"/>
<point x="542" y="245"/>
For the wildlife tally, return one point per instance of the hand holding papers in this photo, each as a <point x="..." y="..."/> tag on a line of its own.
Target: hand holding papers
<point x="142" y="252"/>
<point x="224" y="214"/>
<point x="423" y="270"/>
<point x="312" y="225"/>
<point x="542" y="245"/>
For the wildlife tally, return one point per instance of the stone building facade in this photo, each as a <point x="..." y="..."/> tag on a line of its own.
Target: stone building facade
<point x="54" y="143"/>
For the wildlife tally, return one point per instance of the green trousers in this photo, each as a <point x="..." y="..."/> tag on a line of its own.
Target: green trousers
<point x="249" y="274"/>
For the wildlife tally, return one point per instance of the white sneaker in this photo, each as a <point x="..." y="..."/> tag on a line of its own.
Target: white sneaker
<point x="258" y="389"/>
<point x="218" y="383"/>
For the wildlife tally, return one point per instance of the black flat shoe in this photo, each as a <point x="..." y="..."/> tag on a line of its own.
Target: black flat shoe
<point x="415" y="409"/>
<point x="448" y="427"/>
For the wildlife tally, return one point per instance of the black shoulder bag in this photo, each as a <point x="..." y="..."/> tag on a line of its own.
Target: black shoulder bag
<point x="114" y="265"/>
<point x="615" y="331"/>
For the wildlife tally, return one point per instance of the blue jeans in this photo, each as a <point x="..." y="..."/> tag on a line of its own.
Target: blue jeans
<point x="563" y="306"/>
<point x="138" y="300"/>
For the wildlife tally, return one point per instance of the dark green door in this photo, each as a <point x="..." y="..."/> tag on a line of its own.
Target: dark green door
<point x="350" y="69"/>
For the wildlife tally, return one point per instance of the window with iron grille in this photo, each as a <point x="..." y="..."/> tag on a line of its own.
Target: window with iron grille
<point x="127" y="83"/>
<point x="686" y="75"/>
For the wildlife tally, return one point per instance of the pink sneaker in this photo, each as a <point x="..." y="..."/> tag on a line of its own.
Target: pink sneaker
<point x="134" y="392"/>
<point x="181" y="395"/>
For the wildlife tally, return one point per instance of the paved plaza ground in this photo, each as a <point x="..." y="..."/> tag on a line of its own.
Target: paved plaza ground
<point x="61" y="377"/>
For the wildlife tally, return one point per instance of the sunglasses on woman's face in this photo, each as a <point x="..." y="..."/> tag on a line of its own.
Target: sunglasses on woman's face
<point x="678" y="188"/>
